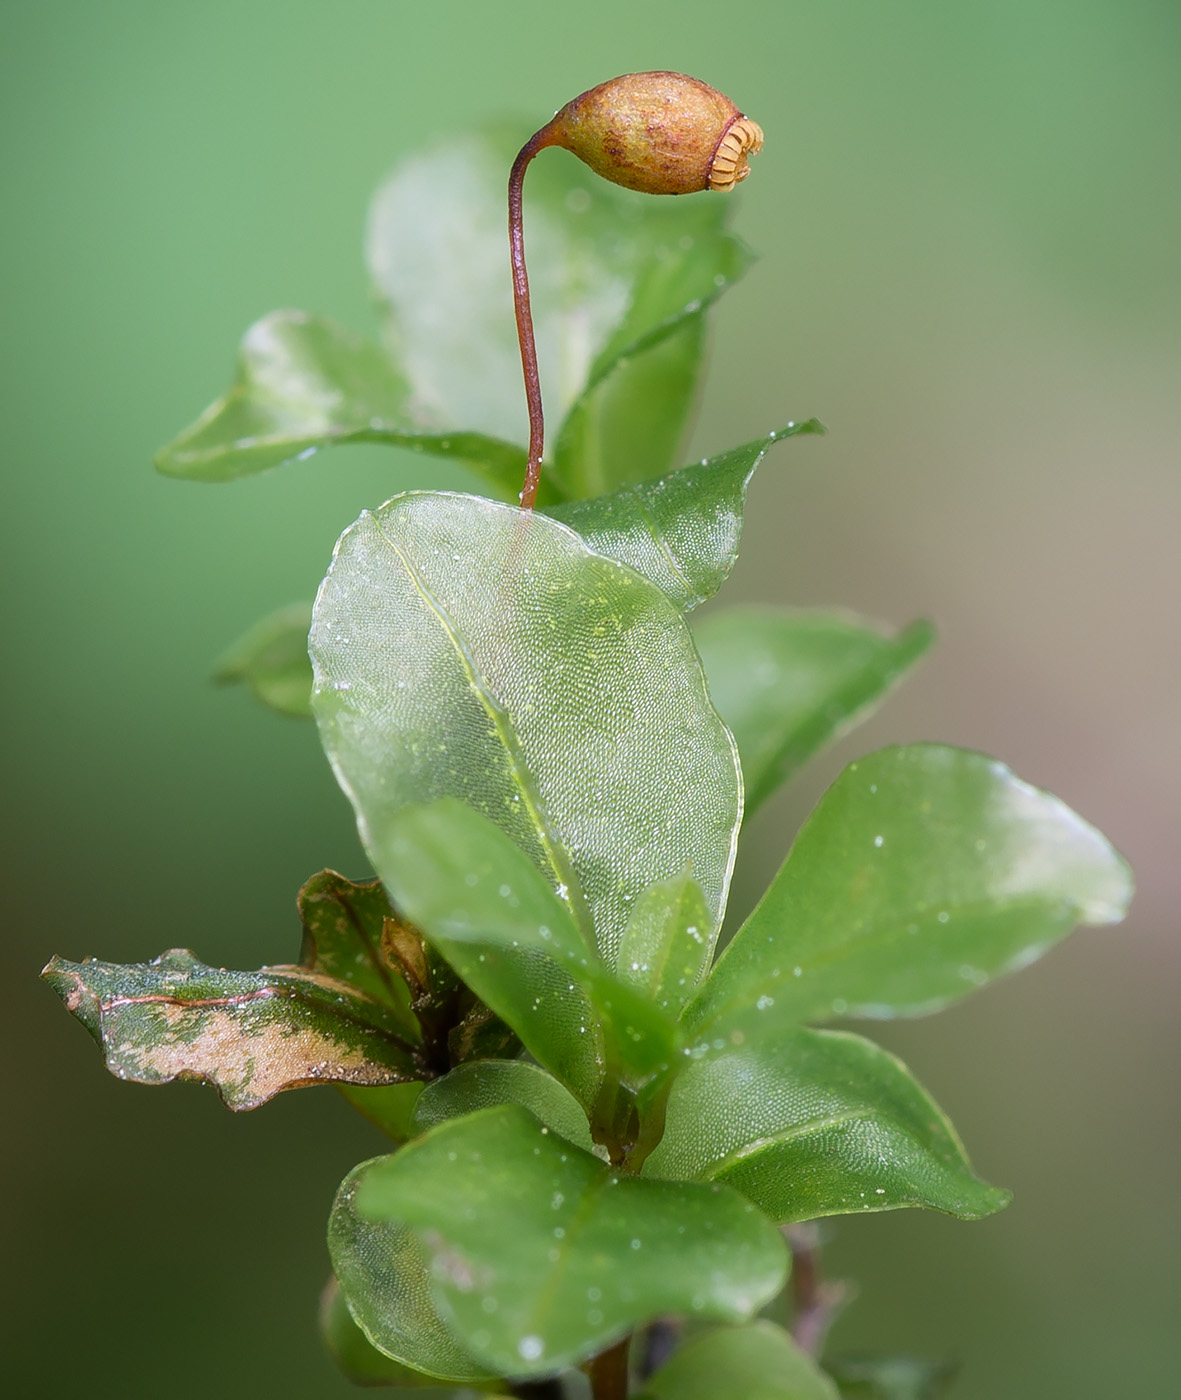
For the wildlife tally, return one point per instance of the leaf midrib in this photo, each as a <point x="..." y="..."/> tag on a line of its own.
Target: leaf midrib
<point x="526" y="784"/>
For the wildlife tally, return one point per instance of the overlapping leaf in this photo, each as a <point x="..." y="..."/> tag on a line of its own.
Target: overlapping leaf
<point x="359" y="1360"/>
<point x="250" y="1034"/>
<point x="815" y="1123"/>
<point x="488" y="909"/>
<point x="788" y="682"/>
<point x="471" y="650"/>
<point x="680" y="530"/>
<point x="757" y="1362"/>
<point x="383" y="1274"/>
<point x="491" y="1082"/>
<point x="304" y="383"/>
<point x="540" y="1255"/>
<point x="665" y="949"/>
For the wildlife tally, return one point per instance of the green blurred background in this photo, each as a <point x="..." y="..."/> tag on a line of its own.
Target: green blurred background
<point x="970" y="222"/>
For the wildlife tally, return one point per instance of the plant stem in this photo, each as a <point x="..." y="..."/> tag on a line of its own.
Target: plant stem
<point x="814" y="1302"/>
<point x="660" y="1342"/>
<point x="516" y="238"/>
<point x="609" y="1372"/>
<point x="538" y="1390"/>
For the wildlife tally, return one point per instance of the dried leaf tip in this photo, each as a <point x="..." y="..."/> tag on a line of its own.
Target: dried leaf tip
<point x="661" y="133"/>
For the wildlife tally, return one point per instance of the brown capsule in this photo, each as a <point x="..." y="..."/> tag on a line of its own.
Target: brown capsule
<point x="662" y="133"/>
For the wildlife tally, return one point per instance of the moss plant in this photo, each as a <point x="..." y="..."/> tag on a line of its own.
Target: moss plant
<point x="606" y="1139"/>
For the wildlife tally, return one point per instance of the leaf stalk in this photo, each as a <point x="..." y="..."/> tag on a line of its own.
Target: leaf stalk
<point x="524" y="313"/>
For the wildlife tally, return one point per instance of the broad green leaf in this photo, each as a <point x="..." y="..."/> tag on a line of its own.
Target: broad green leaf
<point x="923" y="873"/>
<point x="680" y="530"/>
<point x="540" y="1255"/>
<point x="383" y="1275"/>
<point x="634" y="420"/>
<point x="665" y="947"/>
<point x="467" y="649"/>
<point x="250" y="1034"/>
<point x="890" y="1377"/>
<point x="355" y="1354"/>
<point x="758" y="1362"/>
<point x="272" y="660"/>
<point x="304" y="383"/>
<point x="619" y="283"/>
<point x="816" y="1123"/>
<point x="488" y="909"/>
<point x="346" y="930"/>
<point x="631" y="418"/>
<point x="789" y="682"/>
<point x="491" y="1082"/>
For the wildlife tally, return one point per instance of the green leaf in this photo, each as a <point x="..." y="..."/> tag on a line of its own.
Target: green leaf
<point x="491" y="1082"/>
<point x="250" y="1034"/>
<point x="540" y="1255"/>
<point x="346" y="930"/>
<point x="304" y="383"/>
<point x="390" y="1107"/>
<point x="355" y="1354"/>
<point x="631" y="418"/>
<point x="487" y="908"/>
<point x="923" y="873"/>
<point x="817" y="1123"/>
<point x="383" y="1275"/>
<point x="619" y="285"/>
<point x="681" y="530"/>
<point x="758" y="1362"/>
<point x="467" y="649"/>
<point x="789" y="682"/>
<point x="890" y="1377"/>
<point x="272" y="660"/>
<point x="665" y="947"/>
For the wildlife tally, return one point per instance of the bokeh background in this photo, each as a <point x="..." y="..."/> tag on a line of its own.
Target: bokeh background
<point x="970" y="222"/>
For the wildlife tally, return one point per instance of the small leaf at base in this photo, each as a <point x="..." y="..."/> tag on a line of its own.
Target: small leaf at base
<point x="759" y="1362"/>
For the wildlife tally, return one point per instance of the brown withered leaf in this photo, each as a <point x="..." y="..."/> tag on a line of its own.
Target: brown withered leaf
<point x="250" y="1034"/>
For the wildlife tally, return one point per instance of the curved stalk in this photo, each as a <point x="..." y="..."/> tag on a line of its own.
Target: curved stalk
<point x="609" y="1374"/>
<point x="516" y="237"/>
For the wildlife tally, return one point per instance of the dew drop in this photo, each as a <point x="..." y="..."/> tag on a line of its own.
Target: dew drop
<point x="530" y="1347"/>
